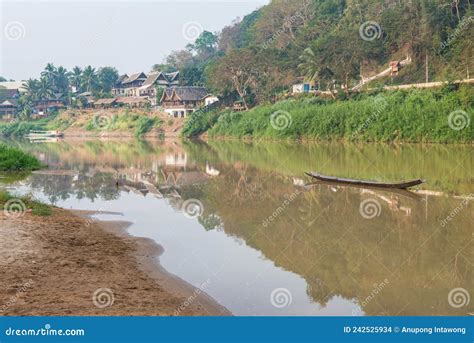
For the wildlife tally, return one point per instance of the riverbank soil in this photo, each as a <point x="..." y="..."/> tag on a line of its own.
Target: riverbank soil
<point x="67" y="264"/>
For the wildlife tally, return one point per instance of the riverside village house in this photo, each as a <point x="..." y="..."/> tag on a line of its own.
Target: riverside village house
<point x="136" y="90"/>
<point x="179" y="102"/>
<point x="141" y="85"/>
<point x="176" y="101"/>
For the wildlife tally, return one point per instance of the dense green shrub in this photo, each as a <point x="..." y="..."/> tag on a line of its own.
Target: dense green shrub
<point x="408" y="116"/>
<point x="12" y="159"/>
<point x="199" y="122"/>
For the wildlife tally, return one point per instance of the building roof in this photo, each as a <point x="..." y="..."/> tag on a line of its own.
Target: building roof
<point x="155" y="76"/>
<point x="172" y="76"/>
<point x="134" y="77"/>
<point x="132" y="100"/>
<point x="152" y="77"/>
<point x="19" y="85"/>
<point x="185" y="93"/>
<point x="8" y="93"/>
<point x="9" y="103"/>
<point x="122" y="78"/>
<point x="105" y="101"/>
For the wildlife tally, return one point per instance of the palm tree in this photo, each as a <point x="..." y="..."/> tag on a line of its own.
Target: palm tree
<point x="31" y="87"/>
<point x="309" y="66"/>
<point x="45" y="91"/>
<point x="75" y="77"/>
<point x="49" y="72"/>
<point x="61" y="80"/>
<point x="89" y="78"/>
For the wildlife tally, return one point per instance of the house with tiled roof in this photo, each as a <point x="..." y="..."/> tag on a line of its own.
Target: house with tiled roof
<point x="179" y="102"/>
<point x="141" y="85"/>
<point x="8" y="103"/>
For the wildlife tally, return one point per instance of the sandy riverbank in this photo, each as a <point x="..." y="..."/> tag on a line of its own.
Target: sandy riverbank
<point x="54" y="265"/>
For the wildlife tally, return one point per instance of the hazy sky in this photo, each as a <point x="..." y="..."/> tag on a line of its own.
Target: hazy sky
<point x="129" y="35"/>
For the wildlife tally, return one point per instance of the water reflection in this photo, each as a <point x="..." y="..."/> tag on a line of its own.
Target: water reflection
<point x="336" y="250"/>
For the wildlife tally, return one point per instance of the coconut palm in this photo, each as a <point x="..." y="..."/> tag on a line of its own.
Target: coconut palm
<point x="45" y="90"/>
<point x="61" y="80"/>
<point x="309" y="66"/>
<point x="49" y="72"/>
<point x="89" y="79"/>
<point x="75" y="77"/>
<point x="31" y="88"/>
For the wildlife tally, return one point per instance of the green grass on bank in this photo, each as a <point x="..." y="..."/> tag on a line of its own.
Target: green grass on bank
<point x="10" y="203"/>
<point x="14" y="160"/>
<point x="403" y="116"/>
<point x="22" y="128"/>
<point x="128" y="121"/>
<point x="135" y="122"/>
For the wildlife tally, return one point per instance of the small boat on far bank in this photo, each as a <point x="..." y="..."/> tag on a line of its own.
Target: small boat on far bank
<point x="36" y="134"/>
<point x="396" y="185"/>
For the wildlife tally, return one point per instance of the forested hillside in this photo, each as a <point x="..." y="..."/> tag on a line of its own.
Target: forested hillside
<point x="330" y="42"/>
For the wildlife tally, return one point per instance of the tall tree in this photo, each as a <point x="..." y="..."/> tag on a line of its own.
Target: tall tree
<point x="75" y="78"/>
<point x="45" y="90"/>
<point x="49" y="73"/>
<point x="237" y="70"/>
<point x="31" y="87"/>
<point x="107" y="77"/>
<point x="61" y="80"/>
<point x="89" y="79"/>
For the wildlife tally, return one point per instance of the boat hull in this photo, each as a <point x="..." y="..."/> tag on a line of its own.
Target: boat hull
<point x="392" y="185"/>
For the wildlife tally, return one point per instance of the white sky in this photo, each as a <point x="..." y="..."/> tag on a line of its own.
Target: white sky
<point x="129" y="35"/>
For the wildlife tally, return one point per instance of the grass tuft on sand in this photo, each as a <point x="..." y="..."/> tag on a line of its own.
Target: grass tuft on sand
<point x="16" y="206"/>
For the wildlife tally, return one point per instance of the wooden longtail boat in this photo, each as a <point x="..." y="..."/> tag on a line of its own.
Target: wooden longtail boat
<point x="44" y="134"/>
<point x="397" y="185"/>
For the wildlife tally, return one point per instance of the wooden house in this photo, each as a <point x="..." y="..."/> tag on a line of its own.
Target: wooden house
<point x="118" y="89"/>
<point x="131" y="84"/>
<point x="105" y="103"/>
<point x="8" y="103"/>
<point x="143" y="85"/>
<point x="157" y="79"/>
<point x="54" y="103"/>
<point x="179" y="102"/>
<point x="132" y="101"/>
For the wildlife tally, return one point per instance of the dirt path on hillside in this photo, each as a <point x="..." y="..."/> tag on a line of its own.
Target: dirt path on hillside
<point x="66" y="264"/>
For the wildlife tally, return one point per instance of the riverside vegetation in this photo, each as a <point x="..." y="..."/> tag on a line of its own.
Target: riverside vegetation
<point x="404" y="116"/>
<point x="15" y="160"/>
<point x="138" y="122"/>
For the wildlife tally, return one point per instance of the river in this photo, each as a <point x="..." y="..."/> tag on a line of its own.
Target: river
<point x="241" y="221"/>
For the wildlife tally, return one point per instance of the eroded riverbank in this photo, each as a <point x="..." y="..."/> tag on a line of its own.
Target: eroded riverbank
<point x="67" y="264"/>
